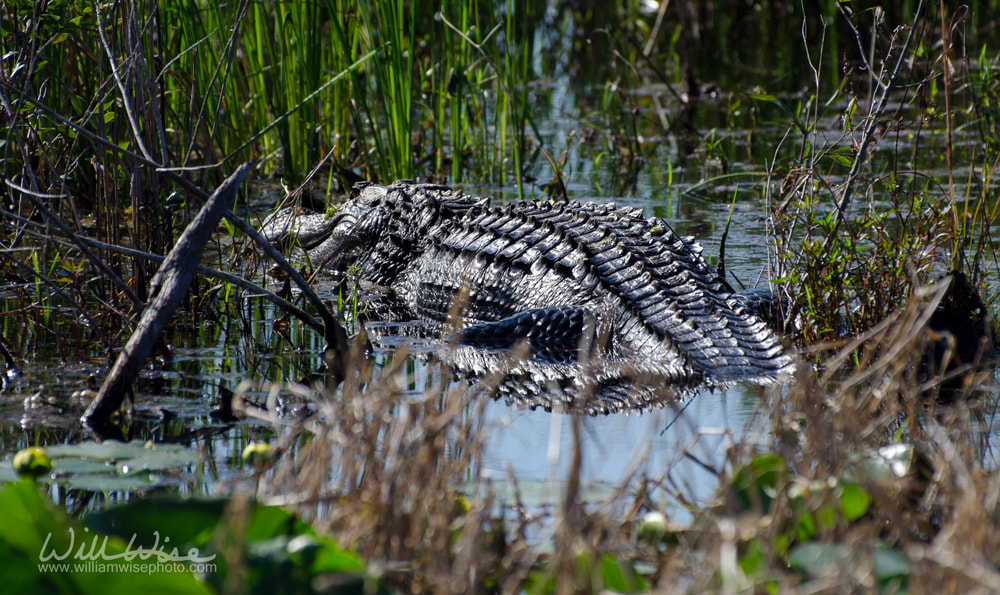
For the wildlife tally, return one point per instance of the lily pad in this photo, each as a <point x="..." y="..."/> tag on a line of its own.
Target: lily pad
<point x="116" y="466"/>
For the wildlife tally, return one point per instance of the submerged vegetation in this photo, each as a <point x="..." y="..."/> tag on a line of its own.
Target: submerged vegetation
<point x="865" y="137"/>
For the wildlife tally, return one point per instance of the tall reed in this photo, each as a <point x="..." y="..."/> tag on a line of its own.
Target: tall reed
<point x="97" y="97"/>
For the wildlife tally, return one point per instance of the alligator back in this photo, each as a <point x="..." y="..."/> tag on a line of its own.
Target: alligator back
<point x="653" y="293"/>
<point x="558" y="275"/>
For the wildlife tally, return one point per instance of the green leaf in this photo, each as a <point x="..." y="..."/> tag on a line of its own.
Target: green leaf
<point x="826" y="517"/>
<point x="620" y="576"/>
<point x="842" y="159"/>
<point x="36" y="532"/>
<point x="890" y="564"/>
<point x="331" y="558"/>
<point x="806" y="528"/>
<point x="755" y="485"/>
<point x="752" y="562"/>
<point x="185" y="521"/>
<point x="818" y="558"/>
<point x="270" y="521"/>
<point x="854" y="501"/>
<point x="283" y="552"/>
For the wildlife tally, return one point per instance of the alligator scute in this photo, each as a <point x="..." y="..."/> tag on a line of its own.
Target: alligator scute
<point x="620" y="313"/>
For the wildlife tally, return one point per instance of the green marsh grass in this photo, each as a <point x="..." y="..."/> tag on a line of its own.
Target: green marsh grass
<point x="394" y="84"/>
<point x="196" y="88"/>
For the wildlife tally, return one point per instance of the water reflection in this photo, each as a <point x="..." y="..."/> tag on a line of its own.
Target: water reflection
<point x="680" y="450"/>
<point x="682" y="446"/>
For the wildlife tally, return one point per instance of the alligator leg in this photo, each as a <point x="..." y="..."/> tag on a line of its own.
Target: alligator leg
<point x="556" y="333"/>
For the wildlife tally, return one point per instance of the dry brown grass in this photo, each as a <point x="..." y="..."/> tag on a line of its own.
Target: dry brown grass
<point x="869" y="393"/>
<point x="383" y="470"/>
<point x="395" y="476"/>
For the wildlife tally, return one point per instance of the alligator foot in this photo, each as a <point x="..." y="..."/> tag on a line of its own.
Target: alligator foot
<point x="555" y="334"/>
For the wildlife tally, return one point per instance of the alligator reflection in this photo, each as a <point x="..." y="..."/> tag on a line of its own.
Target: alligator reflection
<point x="549" y="380"/>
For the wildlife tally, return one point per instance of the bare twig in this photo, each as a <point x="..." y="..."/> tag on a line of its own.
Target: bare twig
<point x="67" y="232"/>
<point x="336" y="338"/>
<point x="871" y="125"/>
<point x="126" y="102"/>
<point x="210" y="272"/>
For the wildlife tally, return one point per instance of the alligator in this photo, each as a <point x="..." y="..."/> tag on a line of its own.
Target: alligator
<point x="595" y="291"/>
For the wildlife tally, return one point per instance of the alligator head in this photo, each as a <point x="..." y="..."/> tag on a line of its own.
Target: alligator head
<point x="382" y="229"/>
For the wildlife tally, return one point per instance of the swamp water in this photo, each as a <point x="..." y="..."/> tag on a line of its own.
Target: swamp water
<point x="684" y="447"/>
<point x="681" y="450"/>
<point x="677" y="451"/>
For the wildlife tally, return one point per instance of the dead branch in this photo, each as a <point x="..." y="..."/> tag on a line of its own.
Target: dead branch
<point x="167" y="289"/>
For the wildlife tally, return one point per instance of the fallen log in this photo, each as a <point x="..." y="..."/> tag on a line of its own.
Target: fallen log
<point x="167" y="289"/>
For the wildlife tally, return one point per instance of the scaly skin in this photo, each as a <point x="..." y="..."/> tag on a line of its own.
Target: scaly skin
<point x="577" y="282"/>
